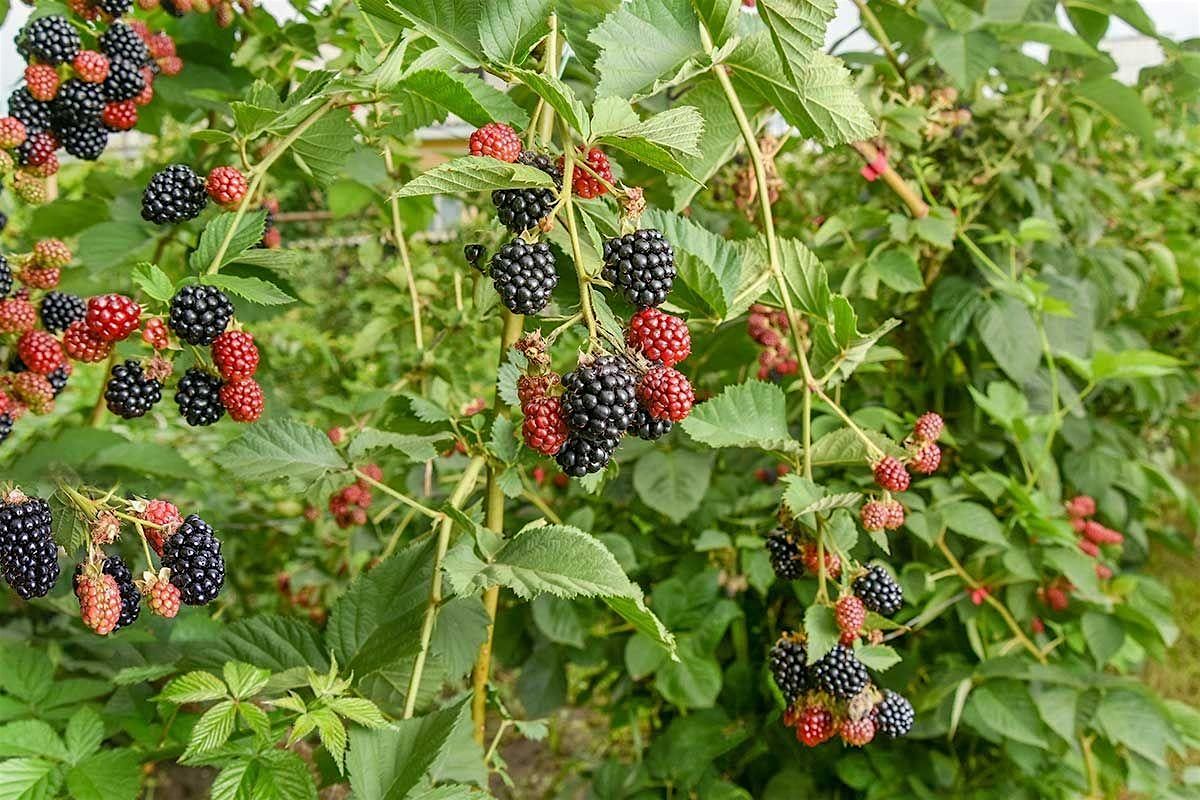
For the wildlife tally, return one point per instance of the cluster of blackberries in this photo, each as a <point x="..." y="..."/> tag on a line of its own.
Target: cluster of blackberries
<point x="222" y="10"/>
<point x="891" y="474"/>
<point x="349" y="505"/>
<point x="1095" y="539"/>
<point x="769" y="327"/>
<point x="28" y="553"/>
<point x="834" y="695"/>
<point x="73" y="98"/>
<point x="177" y="194"/>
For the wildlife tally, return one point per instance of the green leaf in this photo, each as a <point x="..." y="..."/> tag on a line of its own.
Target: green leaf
<point x="634" y="611"/>
<point x="471" y="174"/>
<point x="720" y="17"/>
<point x="678" y="128"/>
<point x="667" y="34"/>
<point x="85" y="732"/>
<point x="390" y="762"/>
<point x="1129" y="718"/>
<point x="558" y="96"/>
<point x="877" y="657"/>
<point x="898" y="269"/>
<point x="1048" y="33"/>
<point x="323" y="149"/>
<point x="454" y="24"/>
<point x="194" y="687"/>
<point x="692" y="681"/>
<point x="249" y="232"/>
<point x="153" y="282"/>
<point x="650" y="154"/>
<point x="752" y="414"/>
<point x="1104" y="635"/>
<point x="509" y="29"/>
<point x="1004" y="709"/>
<point x="965" y="56"/>
<point x="28" y="779"/>
<point x="244" y="680"/>
<point x="464" y="95"/>
<point x="358" y="710"/>
<point x="714" y="270"/>
<point x="974" y="521"/>
<point x="256" y="290"/>
<point x="559" y="560"/>
<point x="31" y="737"/>
<point x="107" y="775"/>
<point x="673" y="483"/>
<point x="798" y="29"/>
<point x="1119" y="103"/>
<point x="414" y="447"/>
<point x="844" y="447"/>
<point x="212" y="729"/>
<point x="1010" y="334"/>
<point x="269" y="641"/>
<point x="806" y="279"/>
<point x="1128" y="364"/>
<point x="333" y="735"/>
<point x="281" y="448"/>
<point x="821" y="630"/>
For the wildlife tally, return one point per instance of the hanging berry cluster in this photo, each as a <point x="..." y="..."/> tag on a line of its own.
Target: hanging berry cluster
<point x="1096" y="540"/>
<point x="222" y="10"/>
<point x="769" y="327"/>
<point x="833" y="694"/>
<point x="580" y="418"/>
<point x="191" y="569"/>
<point x="350" y="504"/>
<point x="72" y="97"/>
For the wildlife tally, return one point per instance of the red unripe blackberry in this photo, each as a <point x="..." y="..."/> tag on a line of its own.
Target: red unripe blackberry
<point x="814" y="725"/>
<point x="170" y="65"/>
<point x="496" y="140"/>
<point x="372" y="471"/>
<point x="545" y="427"/>
<point x="789" y="667"/>
<point x="155" y="333"/>
<point x="1081" y="506"/>
<point x="16" y="315"/>
<point x="81" y="345"/>
<point x="879" y="591"/>
<point x="165" y="519"/>
<point x="891" y="475"/>
<point x="34" y="390"/>
<point x="1099" y="534"/>
<point x="531" y="387"/>
<point x="927" y="459"/>
<point x="37" y="149"/>
<point x="1057" y="597"/>
<point x="666" y="394"/>
<point x="659" y="336"/>
<point x="583" y="183"/>
<point x="272" y="238"/>
<point x="1036" y="625"/>
<point x="1103" y="571"/>
<point x="785" y="554"/>
<point x="51" y="253"/>
<point x="160" y="45"/>
<point x="28" y="552"/>
<point x="42" y="81"/>
<point x="99" y="600"/>
<point x="850" y="614"/>
<point x="928" y="427"/>
<point x="12" y="133"/>
<point x="1090" y="548"/>
<point x="336" y="435"/>
<point x="243" y="399"/>
<point x="40" y="278"/>
<point x="112" y="317"/>
<point x="131" y="598"/>
<point x="120" y="116"/>
<point x="857" y="732"/>
<point x="878" y="515"/>
<point x="162" y="596"/>
<point x="90" y="66"/>
<point x="40" y="351"/>
<point x="894" y="715"/>
<point x="226" y="186"/>
<point x="235" y="355"/>
<point x="147" y="93"/>
<point x="810" y="555"/>
<point x="895" y="515"/>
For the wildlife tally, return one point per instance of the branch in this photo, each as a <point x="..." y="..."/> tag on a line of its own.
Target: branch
<point x="918" y="207"/>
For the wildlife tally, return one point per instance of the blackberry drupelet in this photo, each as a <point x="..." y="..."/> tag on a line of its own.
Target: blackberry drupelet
<point x="77" y="103"/>
<point x="129" y="393"/>
<point x="193" y="554"/>
<point x="122" y="41"/>
<point x="839" y="673"/>
<point x="199" y="314"/>
<point x="131" y="598"/>
<point x="789" y="667"/>
<point x="6" y="277"/>
<point x="641" y="265"/>
<point x="522" y="209"/>
<point x="879" y="591"/>
<point x="50" y="39"/>
<point x="174" y="194"/>
<point x="599" y="399"/>
<point x="28" y="553"/>
<point x="579" y="456"/>
<point x="786" y="556"/>
<point x="86" y="141"/>
<point x="199" y="397"/>
<point x="59" y="309"/>
<point x="125" y="80"/>
<point x="524" y="275"/>
<point x="33" y="114"/>
<point x="894" y="715"/>
<point x="647" y="427"/>
<point x="58" y="379"/>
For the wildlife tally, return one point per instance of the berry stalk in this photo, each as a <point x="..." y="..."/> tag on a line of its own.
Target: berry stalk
<point x="398" y="496"/>
<point x="585" y="281"/>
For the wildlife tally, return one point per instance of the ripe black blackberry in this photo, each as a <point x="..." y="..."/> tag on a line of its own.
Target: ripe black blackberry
<point x="879" y="591"/>
<point x="641" y="265"/>
<point x="198" y="397"/>
<point x="131" y="598"/>
<point x="59" y="309"/>
<point x="28" y="553"/>
<point x="199" y="313"/>
<point x="86" y="141"/>
<point x="522" y="209"/>
<point x="839" y="673"/>
<point x="77" y="103"/>
<point x="524" y="275"/>
<point x="50" y="39"/>
<point x="894" y="715"/>
<point x="785" y="555"/>
<point x="174" y="194"/>
<point x="36" y="149"/>
<point x="125" y="80"/>
<point x="33" y="114"/>
<point x="6" y="279"/>
<point x="474" y="254"/>
<point x="193" y="554"/>
<point x="122" y="41"/>
<point x="599" y="401"/>
<point x="580" y="456"/>
<point x="58" y="379"/>
<point x="789" y="667"/>
<point x="129" y="393"/>
<point x="647" y="427"/>
<point x="115" y="8"/>
<point x="6" y="425"/>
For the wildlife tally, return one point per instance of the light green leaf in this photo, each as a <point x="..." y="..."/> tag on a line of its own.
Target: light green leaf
<point x="1130" y="718"/>
<point x="193" y="687"/>
<point x="358" y="710"/>
<point x="332" y="733"/>
<point x="85" y="732"/>
<point x="877" y="657"/>
<point x="560" y="560"/>
<point x="31" y="737"/>
<point x="673" y="483"/>
<point x="464" y="95"/>
<point x="107" y="775"/>
<point x="693" y="680"/>
<point x="28" y="779"/>
<point x="323" y="149"/>
<point x="974" y="521"/>
<point x="821" y="630"/>
<point x="256" y="290"/>
<point x="414" y="447"/>
<point x="965" y="56"/>
<point x="390" y="762"/>
<point x="667" y="34"/>
<point x="212" y="729"/>
<point x="244" y="680"/>
<point x="471" y="174"/>
<point x="1048" y="33"/>
<point x="898" y="269"/>
<point x="509" y="29"/>
<point x="1128" y="364"/>
<point x="454" y="24"/>
<point x="844" y="447"/>
<point x="1120" y="103"/>
<point x="281" y="448"/>
<point x="153" y="281"/>
<point x="559" y="96"/>
<point x="1010" y="334"/>
<point x="249" y="232"/>
<point x="752" y="414"/>
<point x="678" y="128"/>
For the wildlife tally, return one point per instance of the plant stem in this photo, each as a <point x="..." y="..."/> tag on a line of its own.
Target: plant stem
<point x="402" y="249"/>
<point x="99" y="408"/>
<point x="877" y="31"/>
<point x="872" y="448"/>
<point x="462" y="491"/>
<point x="918" y="207"/>
<point x="395" y="495"/>
<point x="585" y="280"/>
<point x="551" y="69"/>
<point x="494" y="520"/>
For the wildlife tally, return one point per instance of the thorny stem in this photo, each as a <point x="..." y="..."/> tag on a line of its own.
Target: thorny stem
<point x="256" y="176"/>
<point x="395" y="495"/>
<point x="585" y="280"/>
<point x="402" y="249"/>
<point x="462" y="491"/>
<point x="494" y="519"/>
